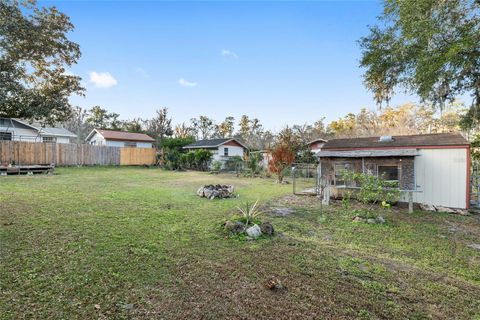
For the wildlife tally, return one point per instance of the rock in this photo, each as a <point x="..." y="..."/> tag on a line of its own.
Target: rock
<point x="216" y="191"/>
<point x="228" y="225"/>
<point x="462" y="212"/>
<point x="238" y="227"/>
<point x="274" y="284"/>
<point x="380" y="219"/>
<point x="267" y="228"/>
<point x="357" y="219"/>
<point x="427" y="207"/>
<point x="207" y="193"/>
<point x="474" y="246"/>
<point x="371" y="221"/>
<point x="444" y="209"/>
<point x="254" y="231"/>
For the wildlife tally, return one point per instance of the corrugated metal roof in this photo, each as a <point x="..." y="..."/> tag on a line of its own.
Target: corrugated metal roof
<point x="417" y="140"/>
<point x="367" y="153"/>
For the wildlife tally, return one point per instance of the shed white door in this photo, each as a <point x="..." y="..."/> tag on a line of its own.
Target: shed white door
<point x="441" y="177"/>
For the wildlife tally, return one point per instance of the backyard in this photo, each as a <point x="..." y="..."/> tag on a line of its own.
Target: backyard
<point x="110" y="242"/>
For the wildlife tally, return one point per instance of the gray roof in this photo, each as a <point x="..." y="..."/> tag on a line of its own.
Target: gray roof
<point x="54" y="131"/>
<point x="57" y="132"/>
<point x="210" y="143"/>
<point x="367" y="153"/>
<point x="413" y="141"/>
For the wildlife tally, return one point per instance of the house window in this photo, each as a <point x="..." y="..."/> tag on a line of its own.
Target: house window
<point x="48" y="139"/>
<point x="6" y="136"/>
<point x="389" y="173"/>
<point x="130" y="144"/>
<point x="339" y="170"/>
<point x="225" y="152"/>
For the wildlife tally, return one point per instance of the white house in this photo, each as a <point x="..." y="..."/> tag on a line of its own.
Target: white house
<point x="433" y="168"/>
<point x="222" y="149"/>
<point x="111" y="138"/>
<point x="21" y="130"/>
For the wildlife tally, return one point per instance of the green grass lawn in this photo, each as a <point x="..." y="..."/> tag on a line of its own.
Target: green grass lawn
<point x="138" y="243"/>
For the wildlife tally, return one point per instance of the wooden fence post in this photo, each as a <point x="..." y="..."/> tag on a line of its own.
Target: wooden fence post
<point x="410" y="202"/>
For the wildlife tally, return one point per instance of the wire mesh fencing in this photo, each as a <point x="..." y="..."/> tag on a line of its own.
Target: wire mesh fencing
<point x="305" y="178"/>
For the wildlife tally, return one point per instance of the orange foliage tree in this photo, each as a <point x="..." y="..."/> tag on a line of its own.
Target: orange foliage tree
<point x="282" y="157"/>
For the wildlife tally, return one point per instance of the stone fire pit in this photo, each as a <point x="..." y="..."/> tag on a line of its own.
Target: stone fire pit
<point x="213" y="191"/>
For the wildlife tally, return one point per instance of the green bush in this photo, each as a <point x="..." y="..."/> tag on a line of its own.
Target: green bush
<point x="176" y="143"/>
<point x="216" y="166"/>
<point x="202" y="158"/>
<point x="172" y="159"/>
<point x="253" y="163"/>
<point x="234" y="163"/>
<point x="372" y="190"/>
<point x="173" y="152"/>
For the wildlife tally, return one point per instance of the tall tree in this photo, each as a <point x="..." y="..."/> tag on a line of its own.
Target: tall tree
<point x="35" y="53"/>
<point x="77" y="124"/>
<point x="98" y="118"/>
<point x="183" y="131"/>
<point x="203" y="127"/>
<point x="244" y="127"/>
<point x="225" y="128"/>
<point x="136" y="125"/>
<point x="427" y="47"/>
<point x="160" y="126"/>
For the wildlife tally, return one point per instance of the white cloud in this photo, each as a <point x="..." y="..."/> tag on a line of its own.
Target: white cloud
<point x="186" y="83"/>
<point x="102" y="79"/>
<point x="228" y="54"/>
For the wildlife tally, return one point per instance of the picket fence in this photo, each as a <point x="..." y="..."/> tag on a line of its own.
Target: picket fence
<point x="30" y="153"/>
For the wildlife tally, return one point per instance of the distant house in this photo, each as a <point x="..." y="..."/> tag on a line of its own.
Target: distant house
<point x="111" y="138"/>
<point x="433" y="168"/>
<point x="21" y="130"/>
<point x="316" y="145"/>
<point x="222" y="149"/>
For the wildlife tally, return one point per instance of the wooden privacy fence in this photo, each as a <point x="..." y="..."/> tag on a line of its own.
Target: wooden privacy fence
<point x="29" y="153"/>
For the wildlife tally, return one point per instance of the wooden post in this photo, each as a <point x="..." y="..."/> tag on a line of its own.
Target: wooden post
<point x="293" y="179"/>
<point x="410" y="202"/>
<point x="326" y="195"/>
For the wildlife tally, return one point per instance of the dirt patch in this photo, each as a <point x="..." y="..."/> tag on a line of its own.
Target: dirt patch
<point x="279" y="211"/>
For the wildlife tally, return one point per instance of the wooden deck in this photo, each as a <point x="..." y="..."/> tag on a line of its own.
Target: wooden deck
<point x="29" y="170"/>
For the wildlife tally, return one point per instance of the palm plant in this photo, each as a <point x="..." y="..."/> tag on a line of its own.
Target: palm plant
<point x="249" y="213"/>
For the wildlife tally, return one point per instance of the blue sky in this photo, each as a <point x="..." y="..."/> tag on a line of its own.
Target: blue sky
<point x="282" y="62"/>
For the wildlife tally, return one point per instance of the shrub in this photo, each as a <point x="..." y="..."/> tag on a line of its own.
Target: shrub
<point x="177" y="143"/>
<point x="372" y="189"/>
<point x="234" y="163"/>
<point x="253" y="162"/>
<point x="283" y="156"/>
<point x="250" y="213"/>
<point x="189" y="159"/>
<point x="216" y="166"/>
<point x="173" y="155"/>
<point x="202" y="158"/>
<point x="172" y="159"/>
